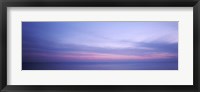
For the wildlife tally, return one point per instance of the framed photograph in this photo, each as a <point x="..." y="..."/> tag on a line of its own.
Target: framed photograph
<point x="106" y="45"/>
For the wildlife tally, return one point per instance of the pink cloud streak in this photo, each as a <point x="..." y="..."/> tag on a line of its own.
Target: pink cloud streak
<point x="103" y="56"/>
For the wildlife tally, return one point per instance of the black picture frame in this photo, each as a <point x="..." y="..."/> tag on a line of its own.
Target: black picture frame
<point x="98" y="3"/>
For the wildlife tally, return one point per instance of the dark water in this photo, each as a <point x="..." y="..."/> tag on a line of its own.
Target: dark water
<point x="99" y="66"/>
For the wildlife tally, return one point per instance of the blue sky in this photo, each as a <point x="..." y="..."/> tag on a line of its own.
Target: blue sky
<point x="100" y="41"/>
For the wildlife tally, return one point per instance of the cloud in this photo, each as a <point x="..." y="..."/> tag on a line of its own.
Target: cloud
<point x="161" y="47"/>
<point x="138" y="49"/>
<point x="88" y="56"/>
<point x="101" y="40"/>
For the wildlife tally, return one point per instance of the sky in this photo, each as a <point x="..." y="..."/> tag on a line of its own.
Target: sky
<point x="104" y="43"/>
